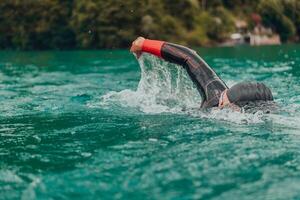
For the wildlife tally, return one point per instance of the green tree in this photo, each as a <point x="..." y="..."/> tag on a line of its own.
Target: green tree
<point x="199" y="35"/>
<point x="273" y="16"/>
<point x="63" y="24"/>
<point x="222" y="24"/>
<point x="292" y="11"/>
<point x="36" y="24"/>
<point x="183" y="10"/>
<point x="116" y="23"/>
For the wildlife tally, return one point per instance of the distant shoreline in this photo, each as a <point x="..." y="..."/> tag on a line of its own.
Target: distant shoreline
<point x="124" y="49"/>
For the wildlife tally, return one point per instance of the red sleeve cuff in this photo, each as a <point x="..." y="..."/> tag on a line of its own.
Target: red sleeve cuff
<point x="153" y="47"/>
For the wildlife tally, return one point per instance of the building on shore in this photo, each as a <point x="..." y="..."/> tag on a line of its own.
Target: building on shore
<point x="263" y="36"/>
<point x="259" y="35"/>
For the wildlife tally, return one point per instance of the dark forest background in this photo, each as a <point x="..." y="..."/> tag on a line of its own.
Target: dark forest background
<point x="93" y="24"/>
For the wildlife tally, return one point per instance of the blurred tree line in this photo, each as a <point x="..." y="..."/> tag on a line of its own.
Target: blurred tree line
<point x="91" y="24"/>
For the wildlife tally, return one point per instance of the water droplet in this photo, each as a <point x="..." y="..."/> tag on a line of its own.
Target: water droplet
<point x="152" y="139"/>
<point x="86" y="154"/>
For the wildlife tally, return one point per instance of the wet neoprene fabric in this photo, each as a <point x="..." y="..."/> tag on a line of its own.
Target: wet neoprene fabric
<point x="208" y="83"/>
<point x="247" y="92"/>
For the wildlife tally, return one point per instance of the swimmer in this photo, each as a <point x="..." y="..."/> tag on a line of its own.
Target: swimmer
<point x="213" y="90"/>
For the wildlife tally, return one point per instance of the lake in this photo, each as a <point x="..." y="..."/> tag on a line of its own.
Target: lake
<point x="100" y="125"/>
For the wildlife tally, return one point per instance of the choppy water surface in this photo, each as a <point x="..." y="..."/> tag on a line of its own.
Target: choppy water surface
<point x="100" y="125"/>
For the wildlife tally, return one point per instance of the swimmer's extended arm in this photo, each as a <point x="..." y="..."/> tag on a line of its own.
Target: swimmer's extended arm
<point x="170" y="52"/>
<point x="153" y="47"/>
<point x="207" y="82"/>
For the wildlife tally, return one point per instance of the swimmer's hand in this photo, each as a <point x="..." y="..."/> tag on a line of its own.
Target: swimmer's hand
<point x="136" y="46"/>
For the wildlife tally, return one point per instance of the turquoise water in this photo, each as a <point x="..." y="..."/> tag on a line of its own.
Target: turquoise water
<point x="100" y="125"/>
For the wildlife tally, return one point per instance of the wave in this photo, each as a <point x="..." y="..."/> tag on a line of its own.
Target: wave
<point x="163" y="87"/>
<point x="166" y="88"/>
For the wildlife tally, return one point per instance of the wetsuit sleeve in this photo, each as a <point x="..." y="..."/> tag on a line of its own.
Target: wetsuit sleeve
<point x="153" y="47"/>
<point x="167" y="51"/>
<point x="209" y="85"/>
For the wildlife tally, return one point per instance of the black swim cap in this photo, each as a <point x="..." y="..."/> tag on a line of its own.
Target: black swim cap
<point x="249" y="92"/>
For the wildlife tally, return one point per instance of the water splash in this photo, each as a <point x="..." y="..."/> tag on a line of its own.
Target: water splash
<point x="163" y="87"/>
<point x="166" y="87"/>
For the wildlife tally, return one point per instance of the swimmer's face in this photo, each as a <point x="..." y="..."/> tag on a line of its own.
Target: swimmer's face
<point x="224" y="102"/>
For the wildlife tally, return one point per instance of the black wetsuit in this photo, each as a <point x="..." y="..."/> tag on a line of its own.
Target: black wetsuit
<point x="208" y="83"/>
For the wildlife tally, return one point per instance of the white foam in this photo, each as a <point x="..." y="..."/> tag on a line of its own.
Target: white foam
<point x="165" y="87"/>
<point x="7" y="176"/>
<point x="29" y="192"/>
